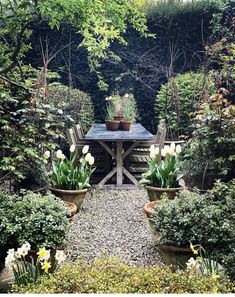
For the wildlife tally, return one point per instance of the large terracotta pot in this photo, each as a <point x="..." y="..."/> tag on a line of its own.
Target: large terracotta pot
<point x="126" y="125"/>
<point x="175" y="256"/>
<point x="74" y="196"/>
<point x="149" y="211"/>
<point x="156" y="193"/>
<point x="112" y="125"/>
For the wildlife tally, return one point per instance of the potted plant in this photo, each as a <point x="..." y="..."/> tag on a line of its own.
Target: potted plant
<point x="69" y="180"/>
<point x="195" y="218"/>
<point x="110" y="122"/>
<point x="129" y="114"/>
<point x="116" y="101"/>
<point x="162" y="177"/>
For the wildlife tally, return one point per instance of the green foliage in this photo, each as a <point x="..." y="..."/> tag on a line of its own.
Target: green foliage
<point x="177" y="99"/>
<point x="77" y="106"/>
<point x="40" y="220"/>
<point x="129" y="108"/>
<point x="112" y="276"/>
<point x="209" y="155"/>
<point x="163" y="174"/>
<point x="109" y="112"/>
<point x="67" y="175"/>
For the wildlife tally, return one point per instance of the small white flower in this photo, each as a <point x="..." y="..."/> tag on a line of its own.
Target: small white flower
<point x="26" y="246"/>
<point x="11" y="252"/>
<point x="45" y="161"/>
<point x="72" y="148"/>
<point x="19" y="253"/>
<point x="9" y="261"/>
<point x="87" y="157"/>
<point x="46" y="155"/>
<point x="163" y="152"/>
<point x="60" y="111"/>
<point x="178" y="149"/>
<point x="59" y="153"/>
<point x="60" y="256"/>
<point x="85" y="149"/>
<point x="62" y="157"/>
<point x="91" y="161"/>
<point x="81" y="160"/>
<point x="126" y="95"/>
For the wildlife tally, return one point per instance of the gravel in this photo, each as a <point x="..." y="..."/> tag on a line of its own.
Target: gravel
<point x="112" y="222"/>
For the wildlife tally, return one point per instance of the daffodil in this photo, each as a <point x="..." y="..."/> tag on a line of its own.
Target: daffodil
<point x="43" y="254"/>
<point x="193" y="249"/>
<point x="46" y="266"/>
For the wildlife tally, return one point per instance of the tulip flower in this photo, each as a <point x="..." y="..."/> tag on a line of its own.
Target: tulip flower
<point x="85" y="149"/>
<point x="87" y="157"/>
<point x="72" y="148"/>
<point x="91" y="161"/>
<point x="46" y="155"/>
<point x="178" y="149"/>
<point x="59" y="153"/>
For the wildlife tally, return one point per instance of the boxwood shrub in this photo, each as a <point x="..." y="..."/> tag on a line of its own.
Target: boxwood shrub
<point x="40" y="220"/>
<point x="109" y="275"/>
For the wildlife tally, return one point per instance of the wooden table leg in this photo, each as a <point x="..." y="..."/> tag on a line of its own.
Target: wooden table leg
<point x="119" y="146"/>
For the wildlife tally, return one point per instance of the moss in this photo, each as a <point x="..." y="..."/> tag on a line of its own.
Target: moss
<point x="112" y="276"/>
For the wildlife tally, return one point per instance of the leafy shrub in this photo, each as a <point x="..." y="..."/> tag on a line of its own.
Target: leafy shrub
<point x="77" y="106"/>
<point x="112" y="276"/>
<point x="210" y="155"/>
<point x="198" y="219"/>
<point x="176" y="100"/>
<point x="40" y="220"/>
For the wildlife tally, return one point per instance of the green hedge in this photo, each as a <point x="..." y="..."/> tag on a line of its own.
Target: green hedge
<point x="112" y="276"/>
<point x="176" y="100"/>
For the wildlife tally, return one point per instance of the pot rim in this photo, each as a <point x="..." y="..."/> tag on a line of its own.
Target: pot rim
<point x="114" y="121"/>
<point x="172" y="248"/>
<point x="126" y="122"/>
<point x="148" y="208"/>
<point x="69" y="191"/>
<point x="163" y="189"/>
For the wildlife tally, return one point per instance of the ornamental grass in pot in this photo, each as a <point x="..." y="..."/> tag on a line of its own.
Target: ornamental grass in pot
<point x="71" y="181"/>
<point x="162" y="176"/>
<point x="111" y="123"/>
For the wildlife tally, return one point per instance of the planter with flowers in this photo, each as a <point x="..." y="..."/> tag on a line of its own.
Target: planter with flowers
<point x="129" y="115"/>
<point x="110" y="121"/>
<point x="162" y="177"/>
<point x="69" y="180"/>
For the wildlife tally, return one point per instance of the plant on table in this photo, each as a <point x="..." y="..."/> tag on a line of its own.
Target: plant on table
<point x="30" y="217"/>
<point x="70" y="180"/>
<point x="162" y="176"/>
<point x="129" y="114"/>
<point x="28" y="270"/>
<point x="110" y="122"/>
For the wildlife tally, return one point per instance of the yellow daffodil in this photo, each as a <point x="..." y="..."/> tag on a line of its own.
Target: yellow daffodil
<point x="46" y="265"/>
<point x="42" y="253"/>
<point x="193" y="249"/>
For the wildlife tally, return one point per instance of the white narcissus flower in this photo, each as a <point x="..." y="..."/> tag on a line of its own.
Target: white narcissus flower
<point x="60" y="256"/>
<point x="26" y="246"/>
<point x="59" y="153"/>
<point x="19" y="253"/>
<point x="178" y="149"/>
<point x="72" y="148"/>
<point x="163" y="152"/>
<point x="85" y="149"/>
<point x="46" y="155"/>
<point x="10" y="258"/>
<point x="62" y="157"/>
<point x="91" y="161"/>
<point x="87" y="157"/>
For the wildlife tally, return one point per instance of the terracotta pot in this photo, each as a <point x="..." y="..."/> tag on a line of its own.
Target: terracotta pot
<point x="73" y="210"/>
<point x="126" y="125"/>
<point x="156" y="193"/>
<point x="74" y="196"/>
<point x="175" y="256"/>
<point x="112" y="125"/>
<point x="149" y="211"/>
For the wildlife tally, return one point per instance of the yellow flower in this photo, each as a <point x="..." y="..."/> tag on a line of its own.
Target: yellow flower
<point x="193" y="249"/>
<point x="46" y="265"/>
<point x="42" y="253"/>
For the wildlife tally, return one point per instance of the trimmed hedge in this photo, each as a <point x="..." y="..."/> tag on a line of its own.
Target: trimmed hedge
<point x="112" y="276"/>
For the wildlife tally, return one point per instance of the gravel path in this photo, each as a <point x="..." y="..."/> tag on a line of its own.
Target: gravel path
<point x="113" y="222"/>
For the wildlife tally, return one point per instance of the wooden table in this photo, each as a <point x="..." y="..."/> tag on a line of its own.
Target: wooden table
<point x="136" y="135"/>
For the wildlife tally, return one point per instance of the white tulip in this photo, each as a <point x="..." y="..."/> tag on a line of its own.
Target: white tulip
<point x="171" y="151"/>
<point x="156" y="151"/>
<point x="91" y="161"/>
<point x="178" y="149"/>
<point x="152" y="154"/>
<point x="166" y="148"/>
<point x="172" y="146"/>
<point x="87" y="157"/>
<point x="62" y="157"/>
<point x="152" y="148"/>
<point x="72" y="148"/>
<point x="85" y="149"/>
<point x="59" y="153"/>
<point x="163" y="152"/>
<point x="46" y="155"/>
<point x="81" y="160"/>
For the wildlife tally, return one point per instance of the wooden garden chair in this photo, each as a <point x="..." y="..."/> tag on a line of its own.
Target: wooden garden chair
<point x="137" y="160"/>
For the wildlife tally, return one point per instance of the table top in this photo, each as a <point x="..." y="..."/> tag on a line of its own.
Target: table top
<point x="99" y="132"/>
